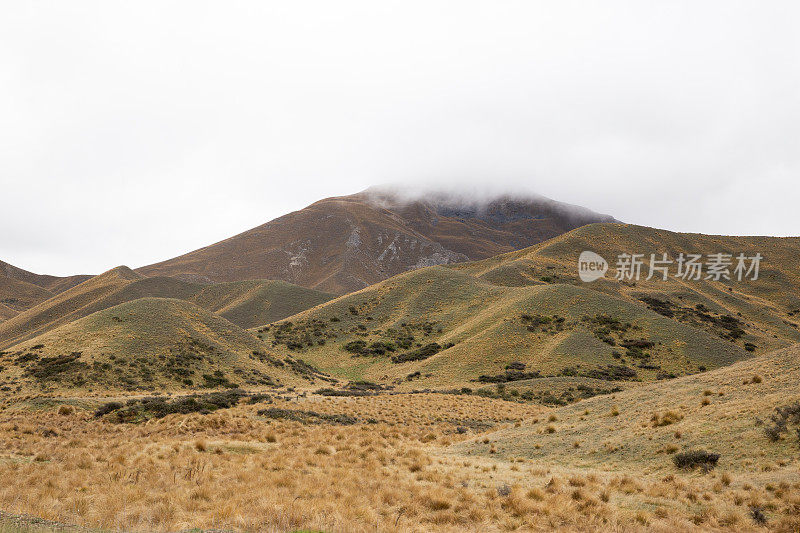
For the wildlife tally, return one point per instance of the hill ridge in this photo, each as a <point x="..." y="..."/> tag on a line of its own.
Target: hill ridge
<point x="266" y="301"/>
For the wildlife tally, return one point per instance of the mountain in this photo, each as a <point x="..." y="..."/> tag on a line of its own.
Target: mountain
<point x="152" y="344"/>
<point x="20" y="289"/>
<point x="342" y="244"/>
<point x="525" y="318"/>
<point x="247" y="303"/>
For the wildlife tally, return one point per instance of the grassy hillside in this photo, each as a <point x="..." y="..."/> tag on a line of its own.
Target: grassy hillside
<point x="52" y="284"/>
<point x="723" y="411"/>
<point x="20" y="295"/>
<point x="6" y="312"/>
<point x="63" y="308"/>
<point x="442" y="327"/>
<point x="768" y="309"/>
<point x="244" y="303"/>
<point x="148" y="344"/>
<point x="256" y="302"/>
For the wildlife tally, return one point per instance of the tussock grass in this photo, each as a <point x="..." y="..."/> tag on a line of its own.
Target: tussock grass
<point x="233" y="469"/>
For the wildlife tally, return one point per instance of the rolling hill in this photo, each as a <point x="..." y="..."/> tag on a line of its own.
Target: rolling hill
<point x="346" y="243"/>
<point x="20" y="289"/>
<point x="766" y="312"/>
<point x="11" y="276"/>
<point x="244" y="303"/>
<point x="524" y="317"/>
<point x="256" y="302"/>
<point x="19" y="295"/>
<point x="148" y="344"/>
<point x="74" y="303"/>
<point x="6" y="312"/>
<point x="438" y="327"/>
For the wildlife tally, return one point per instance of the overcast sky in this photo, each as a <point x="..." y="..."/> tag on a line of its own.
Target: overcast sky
<point x="131" y="132"/>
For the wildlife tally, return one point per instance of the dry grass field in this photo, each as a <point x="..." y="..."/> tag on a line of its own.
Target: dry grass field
<point x="415" y="462"/>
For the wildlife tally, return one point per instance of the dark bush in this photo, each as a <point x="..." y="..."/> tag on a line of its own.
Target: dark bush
<point x="364" y="385"/>
<point x="306" y="417"/>
<point x="510" y="375"/>
<point x="360" y="347"/>
<point x="419" y="354"/>
<point x="637" y="343"/>
<point x="607" y="373"/>
<point x="217" y="379"/>
<point x="329" y="391"/>
<point x="139" y="410"/>
<point x="306" y="370"/>
<point x="696" y="458"/>
<point x="662" y="307"/>
<point x="107" y="408"/>
<point x="758" y="516"/>
<point x="355" y="346"/>
<point x="53" y="367"/>
<point x="259" y="398"/>
<point x="780" y="419"/>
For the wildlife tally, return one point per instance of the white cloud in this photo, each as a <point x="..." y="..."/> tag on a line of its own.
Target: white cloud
<point x="136" y="131"/>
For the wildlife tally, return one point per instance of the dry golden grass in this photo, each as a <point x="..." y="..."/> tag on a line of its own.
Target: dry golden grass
<point x="234" y="469"/>
<point x="632" y="451"/>
<point x="392" y="471"/>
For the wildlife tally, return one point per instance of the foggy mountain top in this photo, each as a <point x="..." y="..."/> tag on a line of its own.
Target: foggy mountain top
<point x="474" y="200"/>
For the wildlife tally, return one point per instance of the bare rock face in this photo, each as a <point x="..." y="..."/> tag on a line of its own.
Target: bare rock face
<point x="344" y="244"/>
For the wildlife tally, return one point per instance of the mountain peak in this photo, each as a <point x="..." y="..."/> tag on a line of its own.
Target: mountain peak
<point x="123" y="272"/>
<point x="345" y="243"/>
<point x="491" y="206"/>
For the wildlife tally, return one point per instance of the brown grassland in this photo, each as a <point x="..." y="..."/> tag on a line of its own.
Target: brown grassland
<point x="407" y="462"/>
